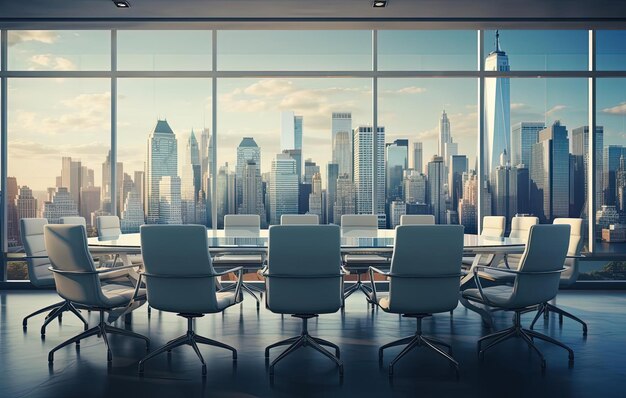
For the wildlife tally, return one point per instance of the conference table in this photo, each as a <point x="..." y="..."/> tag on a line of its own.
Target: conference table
<point x="354" y="242"/>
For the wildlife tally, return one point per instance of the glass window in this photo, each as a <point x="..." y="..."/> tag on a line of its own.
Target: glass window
<point x="427" y="50"/>
<point x="59" y="50"/>
<point x="430" y="148"/>
<point x="610" y="193"/>
<point x="163" y="152"/>
<point x="294" y="50"/>
<point x="58" y="136"/>
<point x="153" y="50"/>
<point x="535" y="148"/>
<point x="285" y="146"/>
<point x="611" y="49"/>
<point x="548" y="50"/>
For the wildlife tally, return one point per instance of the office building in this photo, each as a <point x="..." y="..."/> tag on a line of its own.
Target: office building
<point x="341" y="139"/>
<point x="310" y="169"/>
<point x="612" y="156"/>
<point x="332" y="174"/>
<point x="580" y="180"/>
<point x="436" y="189"/>
<point x="457" y="167"/>
<point x="162" y="166"/>
<point x="283" y="188"/>
<point x="252" y="188"/>
<point x="345" y="203"/>
<point x="90" y="202"/>
<point x="364" y="164"/>
<point x="132" y="213"/>
<point x="523" y="137"/>
<point x="497" y="108"/>
<point x="397" y="209"/>
<point x="61" y="205"/>
<point x="414" y="187"/>
<point x="247" y="151"/>
<point x="550" y="174"/>
<point x="418" y="157"/>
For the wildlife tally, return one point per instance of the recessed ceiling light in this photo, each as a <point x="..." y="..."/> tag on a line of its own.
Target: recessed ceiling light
<point x="121" y="3"/>
<point x="379" y="3"/>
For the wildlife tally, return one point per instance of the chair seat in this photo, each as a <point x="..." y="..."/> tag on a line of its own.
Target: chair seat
<point x="498" y="295"/>
<point x="225" y="299"/>
<point x="485" y="260"/>
<point x="119" y="295"/>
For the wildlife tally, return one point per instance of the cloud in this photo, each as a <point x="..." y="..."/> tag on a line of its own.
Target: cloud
<point x="555" y="109"/>
<point x="48" y="61"/>
<point x="85" y="113"/>
<point x="516" y="106"/>
<point x="268" y="88"/>
<point x="616" y="110"/>
<point x="411" y="90"/>
<point x="26" y="149"/>
<point x="41" y="36"/>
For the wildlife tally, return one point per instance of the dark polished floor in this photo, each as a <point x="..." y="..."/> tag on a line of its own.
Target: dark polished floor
<point x="509" y="370"/>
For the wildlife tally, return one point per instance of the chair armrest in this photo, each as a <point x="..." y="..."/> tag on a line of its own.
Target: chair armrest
<point x="378" y="271"/>
<point x="515" y="272"/>
<point x="228" y="271"/>
<point x="96" y="272"/>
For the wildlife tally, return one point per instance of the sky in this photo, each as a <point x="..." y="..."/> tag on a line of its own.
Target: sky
<point x="51" y="117"/>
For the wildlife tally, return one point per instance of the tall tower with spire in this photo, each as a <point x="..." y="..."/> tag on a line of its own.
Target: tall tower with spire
<point x="444" y="133"/>
<point x="497" y="109"/>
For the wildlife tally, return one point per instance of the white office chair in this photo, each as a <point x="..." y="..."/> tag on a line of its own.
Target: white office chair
<point x="536" y="282"/>
<point x="74" y="221"/>
<point x="31" y="232"/>
<point x="78" y="281"/>
<point x="493" y="226"/>
<point x="423" y="280"/>
<point x="361" y="226"/>
<point x="417" y="219"/>
<point x="304" y="281"/>
<point x="108" y="227"/>
<point x="299" y="219"/>
<point x="520" y="228"/>
<point x="242" y="226"/>
<point x="570" y="275"/>
<point x="180" y="278"/>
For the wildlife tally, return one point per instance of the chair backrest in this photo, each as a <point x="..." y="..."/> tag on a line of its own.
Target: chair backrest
<point x="108" y="226"/>
<point x="242" y="225"/>
<point x="74" y="220"/>
<point x="31" y="232"/>
<point x="172" y="253"/>
<point x="520" y="227"/>
<point x="68" y="251"/>
<point x="570" y="275"/>
<point x="417" y="219"/>
<point x="304" y="263"/>
<point x="434" y="252"/>
<point x="545" y="251"/>
<point x="299" y="219"/>
<point x="493" y="226"/>
<point x="359" y="225"/>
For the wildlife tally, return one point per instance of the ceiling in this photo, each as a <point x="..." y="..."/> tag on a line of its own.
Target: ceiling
<point x="333" y="13"/>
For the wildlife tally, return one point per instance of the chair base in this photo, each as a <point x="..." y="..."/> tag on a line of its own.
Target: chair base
<point x="304" y="340"/>
<point x="418" y="340"/>
<point x="248" y="288"/>
<point x="100" y="330"/>
<point x="56" y="311"/>
<point x="526" y="334"/>
<point x="359" y="285"/>
<point x="191" y="339"/>
<point x="546" y="308"/>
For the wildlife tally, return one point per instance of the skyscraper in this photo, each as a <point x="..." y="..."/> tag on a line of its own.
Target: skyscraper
<point x="252" y="189"/>
<point x="444" y="134"/>
<point x="436" y="189"/>
<point x="71" y="177"/>
<point x="612" y="155"/>
<point x="310" y="169"/>
<point x="26" y="205"/>
<point x="397" y="161"/>
<point x="468" y="205"/>
<point x="12" y="219"/>
<point x="247" y="151"/>
<point x="316" y="202"/>
<point x="414" y="187"/>
<point x="346" y="198"/>
<point x="620" y="185"/>
<point x="457" y="166"/>
<point x="283" y="187"/>
<point x="193" y="208"/>
<point x="89" y="202"/>
<point x="497" y="109"/>
<point x="62" y="205"/>
<point x="132" y="213"/>
<point x="162" y="162"/>
<point x="417" y="157"/>
<point x="504" y="190"/>
<point x="105" y="192"/>
<point x="332" y="174"/>
<point x="363" y="166"/>
<point x="580" y="180"/>
<point x="291" y="138"/>
<point x="523" y="137"/>
<point x="341" y="139"/>
<point x="397" y="209"/>
<point x="550" y="174"/>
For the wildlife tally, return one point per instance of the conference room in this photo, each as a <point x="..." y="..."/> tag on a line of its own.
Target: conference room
<point x="355" y="198"/>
